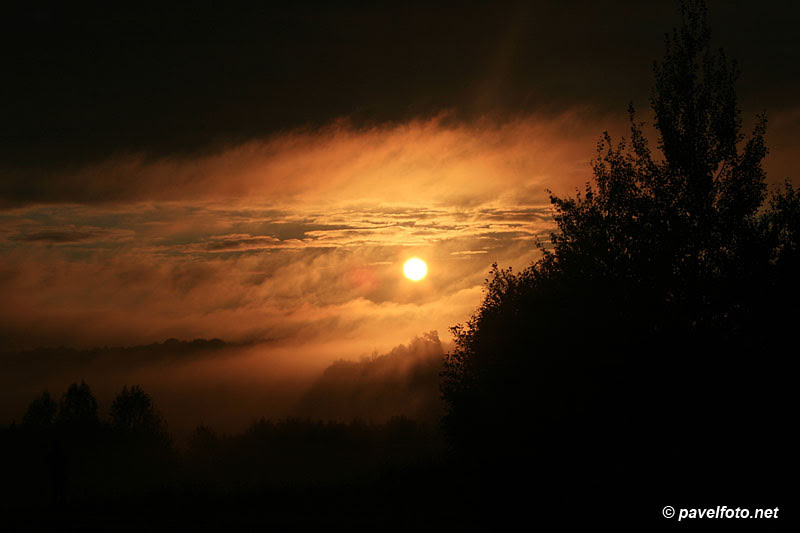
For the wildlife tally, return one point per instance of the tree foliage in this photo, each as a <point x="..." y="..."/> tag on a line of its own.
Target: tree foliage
<point x="41" y="412"/>
<point x="661" y="282"/>
<point x="133" y="411"/>
<point x="78" y="407"/>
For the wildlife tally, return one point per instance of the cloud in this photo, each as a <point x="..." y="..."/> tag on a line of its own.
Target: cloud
<point x="132" y="81"/>
<point x="290" y="235"/>
<point x="424" y="163"/>
<point x="296" y="241"/>
<point x="33" y="233"/>
<point x="298" y="235"/>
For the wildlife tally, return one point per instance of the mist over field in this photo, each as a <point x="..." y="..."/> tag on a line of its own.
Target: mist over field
<point x="228" y="386"/>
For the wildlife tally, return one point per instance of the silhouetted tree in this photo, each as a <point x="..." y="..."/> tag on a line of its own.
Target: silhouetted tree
<point x="78" y="407"/>
<point x="782" y="226"/>
<point x="651" y="302"/>
<point x="143" y="454"/>
<point x="684" y="226"/>
<point x="41" y="412"/>
<point x="132" y="411"/>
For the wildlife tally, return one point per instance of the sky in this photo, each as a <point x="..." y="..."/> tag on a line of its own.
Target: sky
<point x="260" y="175"/>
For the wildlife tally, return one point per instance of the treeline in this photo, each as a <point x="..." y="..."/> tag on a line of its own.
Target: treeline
<point x="64" y="454"/>
<point x="649" y="348"/>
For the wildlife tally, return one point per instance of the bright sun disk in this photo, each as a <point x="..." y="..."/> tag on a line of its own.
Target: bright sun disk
<point x="415" y="269"/>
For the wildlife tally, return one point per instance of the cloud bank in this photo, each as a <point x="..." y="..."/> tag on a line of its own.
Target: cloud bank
<point x="299" y="236"/>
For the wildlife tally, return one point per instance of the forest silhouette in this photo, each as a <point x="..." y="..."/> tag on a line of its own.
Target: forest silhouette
<point x="65" y="465"/>
<point x="648" y="350"/>
<point x="644" y="359"/>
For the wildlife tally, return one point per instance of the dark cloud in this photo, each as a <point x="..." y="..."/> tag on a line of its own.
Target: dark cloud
<point x="426" y="164"/>
<point x="229" y="243"/>
<point x="288" y="231"/>
<point x="21" y="232"/>
<point x="28" y="366"/>
<point x="69" y="235"/>
<point x="54" y="236"/>
<point x="84" y="83"/>
<point x="523" y="214"/>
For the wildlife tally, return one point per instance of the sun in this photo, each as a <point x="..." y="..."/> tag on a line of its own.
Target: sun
<point x="415" y="269"/>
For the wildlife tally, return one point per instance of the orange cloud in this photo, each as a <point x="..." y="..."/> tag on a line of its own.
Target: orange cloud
<point x="423" y="162"/>
<point x="295" y="242"/>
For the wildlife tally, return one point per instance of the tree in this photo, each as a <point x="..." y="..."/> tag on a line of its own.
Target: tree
<point x="143" y="454"/>
<point x="78" y="408"/>
<point x="684" y="226"/>
<point x="41" y="412"/>
<point x="132" y="411"/>
<point x="661" y="283"/>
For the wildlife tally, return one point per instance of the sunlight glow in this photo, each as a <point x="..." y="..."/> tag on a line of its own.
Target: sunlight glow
<point x="415" y="269"/>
